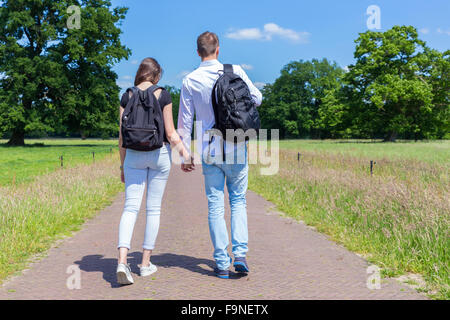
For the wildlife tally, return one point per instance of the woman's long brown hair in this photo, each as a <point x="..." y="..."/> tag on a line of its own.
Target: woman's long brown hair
<point x="149" y="70"/>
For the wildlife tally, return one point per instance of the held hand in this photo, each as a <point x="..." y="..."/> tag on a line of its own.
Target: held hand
<point x="188" y="166"/>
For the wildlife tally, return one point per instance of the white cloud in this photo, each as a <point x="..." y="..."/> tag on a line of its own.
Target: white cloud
<point x="127" y="77"/>
<point x="246" y="34"/>
<point x="134" y="61"/>
<point x="246" y="66"/>
<point x="259" y="85"/>
<point x="269" y="31"/>
<point x="441" y="31"/>
<point x="424" y="30"/>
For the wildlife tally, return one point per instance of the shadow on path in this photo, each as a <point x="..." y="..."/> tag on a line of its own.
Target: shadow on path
<point x="97" y="263"/>
<point x="170" y="260"/>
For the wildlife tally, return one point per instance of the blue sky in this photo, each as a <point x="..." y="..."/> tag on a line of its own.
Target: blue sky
<point x="264" y="35"/>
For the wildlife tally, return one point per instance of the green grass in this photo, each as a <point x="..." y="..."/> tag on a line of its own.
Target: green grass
<point x="23" y="164"/>
<point x="431" y="152"/>
<point x="398" y="218"/>
<point x="38" y="211"/>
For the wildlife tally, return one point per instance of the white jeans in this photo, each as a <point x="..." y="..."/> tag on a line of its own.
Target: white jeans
<point x="143" y="168"/>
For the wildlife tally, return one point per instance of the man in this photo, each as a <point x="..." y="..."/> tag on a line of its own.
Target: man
<point x="196" y="99"/>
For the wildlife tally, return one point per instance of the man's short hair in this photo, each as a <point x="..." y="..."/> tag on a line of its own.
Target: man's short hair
<point x="207" y="44"/>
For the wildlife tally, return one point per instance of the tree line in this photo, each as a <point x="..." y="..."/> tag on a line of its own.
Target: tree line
<point x="398" y="87"/>
<point x="58" y="81"/>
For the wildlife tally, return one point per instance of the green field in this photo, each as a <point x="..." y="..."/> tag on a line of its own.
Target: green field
<point x="38" y="157"/>
<point x="41" y="202"/>
<point x="431" y="152"/>
<point x="398" y="218"/>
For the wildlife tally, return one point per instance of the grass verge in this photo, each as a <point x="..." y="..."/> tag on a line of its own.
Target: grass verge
<point x="34" y="215"/>
<point x="398" y="218"/>
<point x="39" y="157"/>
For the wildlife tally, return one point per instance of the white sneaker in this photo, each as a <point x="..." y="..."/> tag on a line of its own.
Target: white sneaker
<point x="124" y="274"/>
<point x="146" y="271"/>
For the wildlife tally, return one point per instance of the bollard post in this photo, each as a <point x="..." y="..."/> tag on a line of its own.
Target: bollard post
<point x="93" y="156"/>
<point x="62" y="161"/>
<point x="298" y="157"/>
<point x="372" y="163"/>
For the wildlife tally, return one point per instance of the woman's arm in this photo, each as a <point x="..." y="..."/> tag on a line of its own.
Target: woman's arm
<point x="122" y="151"/>
<point x="173" y="137"/>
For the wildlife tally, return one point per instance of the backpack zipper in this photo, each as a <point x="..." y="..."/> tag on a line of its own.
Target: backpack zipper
<point x="141" y="129"/>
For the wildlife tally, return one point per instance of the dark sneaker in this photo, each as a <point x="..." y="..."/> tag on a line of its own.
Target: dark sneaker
<point x="223" y="274"/>
<point x="240" y="264"/>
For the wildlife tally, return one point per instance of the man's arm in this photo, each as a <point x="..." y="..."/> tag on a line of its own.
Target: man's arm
<point x="254" y="91"/>
<point x="185" y="116"/>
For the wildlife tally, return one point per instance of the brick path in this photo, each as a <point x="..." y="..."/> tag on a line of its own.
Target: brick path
<point x="288" y="260"/>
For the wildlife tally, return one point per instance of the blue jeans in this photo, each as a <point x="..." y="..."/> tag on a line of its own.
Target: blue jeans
<point x="143" y="168"/>
<point x="236" y="178"/>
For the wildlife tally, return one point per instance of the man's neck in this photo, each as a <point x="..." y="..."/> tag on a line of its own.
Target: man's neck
<point x="209" y="58"/>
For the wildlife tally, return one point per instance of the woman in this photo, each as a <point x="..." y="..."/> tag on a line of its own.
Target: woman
<point x="139" y="168"/>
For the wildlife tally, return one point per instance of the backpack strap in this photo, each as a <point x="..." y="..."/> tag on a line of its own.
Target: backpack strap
<point x="134" y="91"/>
<point x="228" y="68"/>
<point x="153" y="88"/>
<point x="214" y="103"/>
<point x="149" y="91"/>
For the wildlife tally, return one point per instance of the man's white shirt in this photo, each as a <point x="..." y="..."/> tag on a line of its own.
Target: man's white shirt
<point x="195" y="99"/>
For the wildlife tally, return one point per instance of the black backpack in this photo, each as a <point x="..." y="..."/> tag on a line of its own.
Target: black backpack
<point x="232" y="102"/>
<point x="142" y="121"/>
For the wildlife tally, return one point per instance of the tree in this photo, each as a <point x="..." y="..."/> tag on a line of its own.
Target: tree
<point x="175" y="94"/>
<point x="400" y="84"/>
<point x="335" y="114"/>
<point x="56" y="77"/>
<point x="292" y="103"/>
<point x="434" y="69"/>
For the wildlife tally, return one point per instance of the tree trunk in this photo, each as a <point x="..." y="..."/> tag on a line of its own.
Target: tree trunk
<point x="391" y="137"/>
<point x="18" y="134"/>
<point x="84" y="134"/>
<point x="17" y="138"/>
